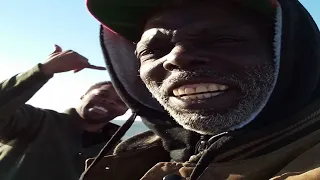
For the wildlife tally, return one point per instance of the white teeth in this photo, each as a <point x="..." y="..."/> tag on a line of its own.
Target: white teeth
<point x="199" y="91"/>
<point x="222" y="87"/>
<point x="213" y="87"/>
<point x="176" y="92"/>
<point x="201" y="96"/>
<point x="207" y="95"/>
<point x="216" y="94"/>
<point x="181" y="91"/>
<point x="101" y="108"/>
<point x="192" y="96"/>
<point x="190" y="91"/>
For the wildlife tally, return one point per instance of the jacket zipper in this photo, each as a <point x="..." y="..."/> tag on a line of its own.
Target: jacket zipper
<point x="205" y="142"/>
<point x="202" y="144"/>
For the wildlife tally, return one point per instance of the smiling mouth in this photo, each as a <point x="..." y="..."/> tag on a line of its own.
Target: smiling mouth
<point x="98" y="109"/>
<point x="101" y="108"/>
<point x="199" y="91"/>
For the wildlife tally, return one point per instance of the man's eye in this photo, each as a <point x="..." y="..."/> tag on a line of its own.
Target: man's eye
<point x="151" y="54"/>
<point x="145" y="52"/>
<point x="151" y="51"/>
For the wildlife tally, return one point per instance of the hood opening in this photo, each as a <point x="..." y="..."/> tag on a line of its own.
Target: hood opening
<point x="298" y="39"/>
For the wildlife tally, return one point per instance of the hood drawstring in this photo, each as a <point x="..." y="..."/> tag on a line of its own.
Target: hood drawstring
<point x="110" y="144"/>
<point x="206" y="156"/>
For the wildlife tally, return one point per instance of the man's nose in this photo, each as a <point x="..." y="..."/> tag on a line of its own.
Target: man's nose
<point x="181" y="58"/>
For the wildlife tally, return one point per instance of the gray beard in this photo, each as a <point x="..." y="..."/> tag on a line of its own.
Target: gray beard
<point x="255" y="83"/>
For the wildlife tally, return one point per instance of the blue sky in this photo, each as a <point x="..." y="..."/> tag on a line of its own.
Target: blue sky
<point x="29" y="30"/>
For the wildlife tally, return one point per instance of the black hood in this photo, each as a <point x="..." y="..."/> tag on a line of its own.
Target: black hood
<point x="297" y="85"/>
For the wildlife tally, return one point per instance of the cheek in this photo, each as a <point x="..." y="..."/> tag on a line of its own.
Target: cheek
<point x="124" y="110"/>
<point x="258" y="54"/>
<point x="152" y="71"/>
<point x="258" y="58"/>
<point x="253" y="60"/>
<point x="144" y="72"/>
<point x="86" y="99"/>
<point x="251" y="56"/>
<point x="121" y="110"/>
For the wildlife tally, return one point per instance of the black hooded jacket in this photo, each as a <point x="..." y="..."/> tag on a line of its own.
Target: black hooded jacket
<point x="297" y="87"/>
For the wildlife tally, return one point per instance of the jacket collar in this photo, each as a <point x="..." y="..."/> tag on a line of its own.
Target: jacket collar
<point x="88" y="138"/>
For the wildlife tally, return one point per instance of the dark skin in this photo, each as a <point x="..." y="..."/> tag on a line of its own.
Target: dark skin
<point x="212" y="36"/>
<point x="99" y="106"/>
<point x="203" y="38"/>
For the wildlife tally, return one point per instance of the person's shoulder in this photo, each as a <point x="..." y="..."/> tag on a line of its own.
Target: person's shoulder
<point x="140" y="141"/>
<point x="37" y="110"/>
<point x="45" y="114"/>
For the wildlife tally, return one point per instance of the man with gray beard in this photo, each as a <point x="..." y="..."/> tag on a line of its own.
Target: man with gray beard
<point x="254" y="86"/>
<point x="229" y="89"/>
